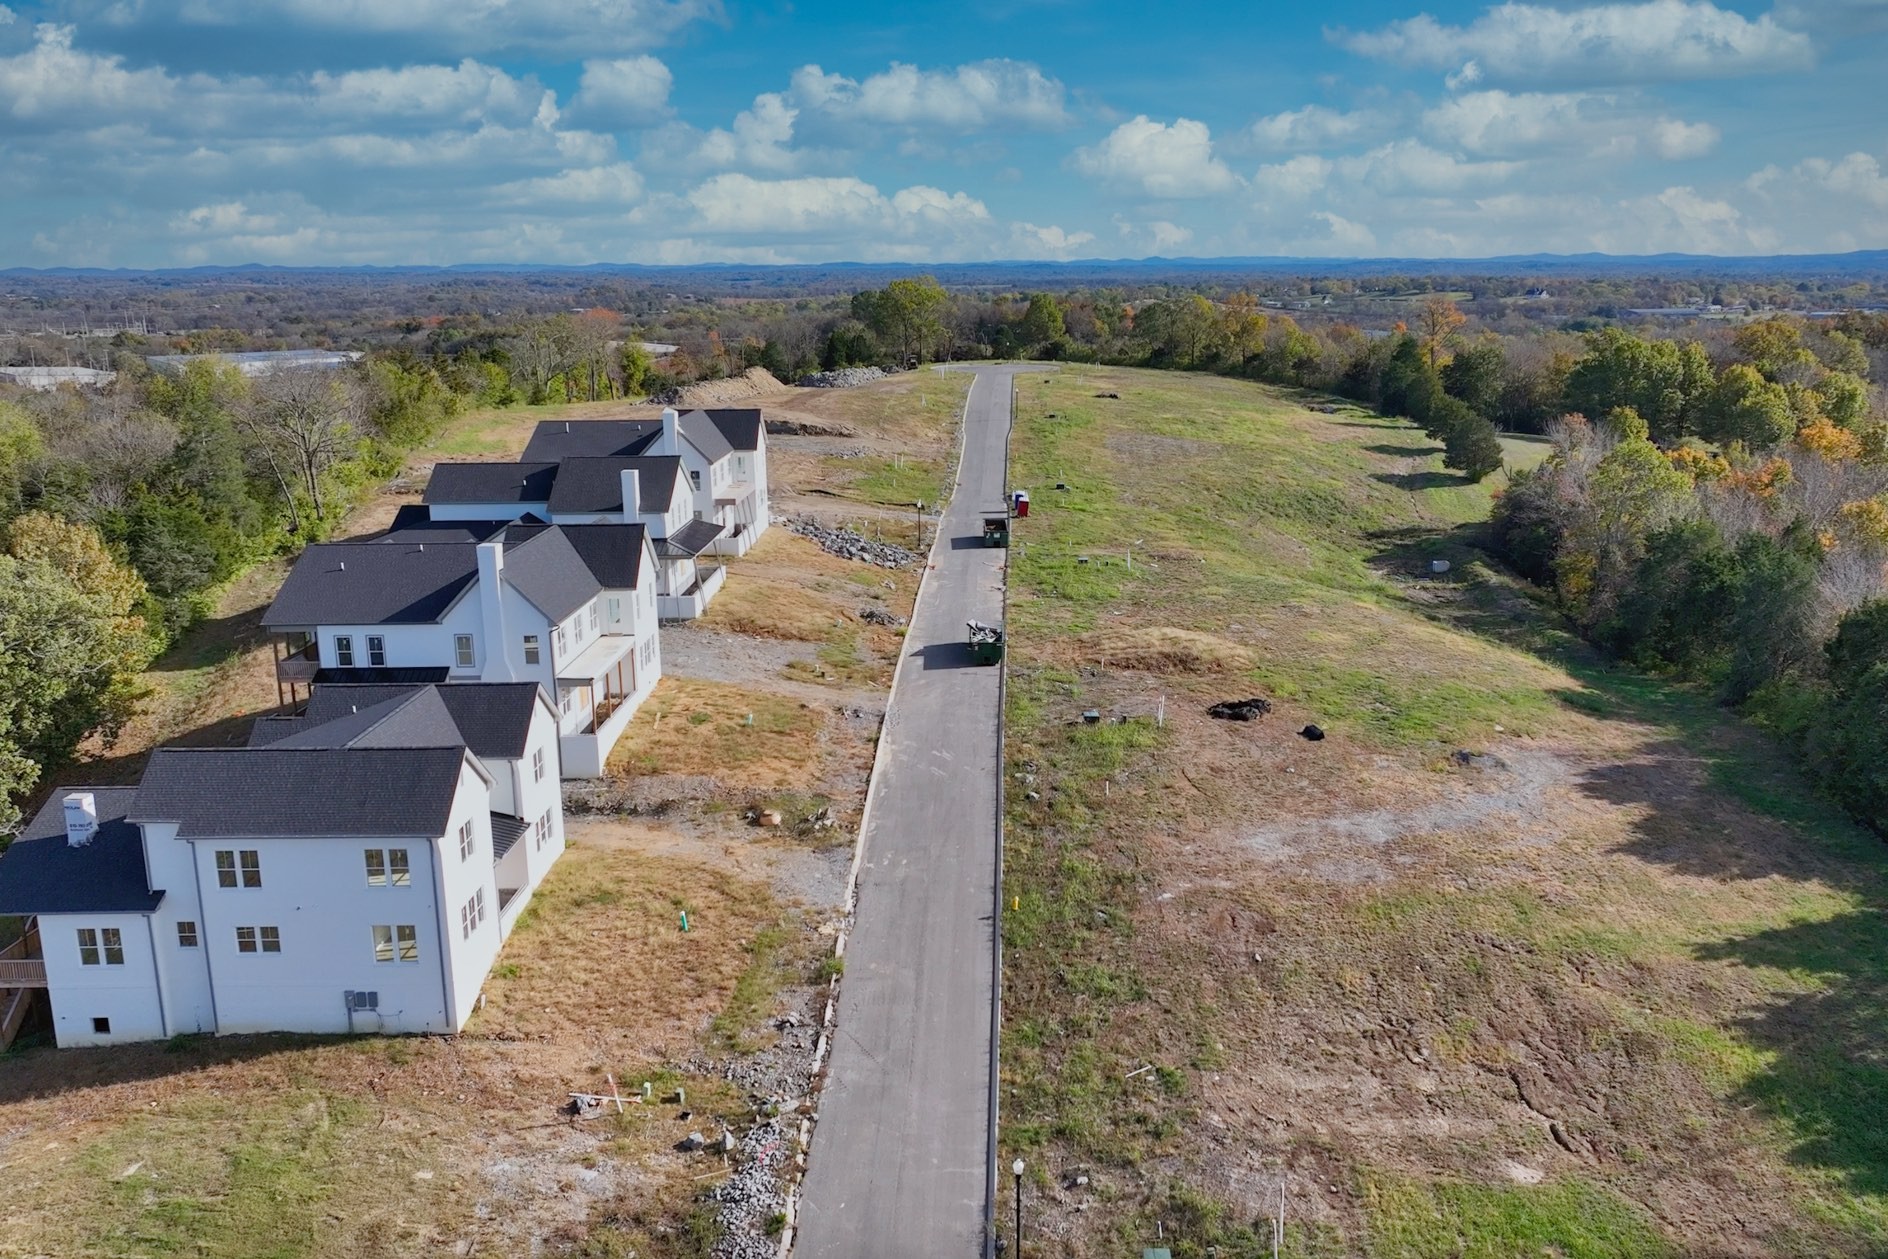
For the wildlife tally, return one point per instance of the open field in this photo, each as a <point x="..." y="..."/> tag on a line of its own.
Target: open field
<point x="1606" y="983"/>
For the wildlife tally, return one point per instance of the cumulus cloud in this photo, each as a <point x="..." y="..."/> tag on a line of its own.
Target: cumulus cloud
<point x="617" y="183"/>
<point x="463" y="93"/>
<point x="1498" y="123"/>
<point x="1410" y="166"/>
<point x="1606" y="43"/>
<point x="1160" y="159"/>
<point x="55" y="82"/>
<point x="761" y="137"/>
<point x="1313" y="127"/>
<point x="624" y="91"/>
<point x="974" y="97"/>
<point x="1293" y="179"/>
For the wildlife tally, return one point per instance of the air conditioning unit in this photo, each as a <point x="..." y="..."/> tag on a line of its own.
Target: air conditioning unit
<point x="363" y="1001"/>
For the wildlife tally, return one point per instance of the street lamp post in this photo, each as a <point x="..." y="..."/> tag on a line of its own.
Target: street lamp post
<point x="1016" y="1170"/>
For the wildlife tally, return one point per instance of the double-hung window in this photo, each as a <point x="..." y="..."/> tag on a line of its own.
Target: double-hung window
<point x="186" y="935"/>
<point x="472" y="914"/>
<point x="376" y="651"/>
<point x="593" y="616"/>
<point x="238" y="867"/>
<point x="344" y="651"/>
<point x="396" y="943"/>
<point x="544" y="829"/>
<point x="537" y="766"/>
<point x="94" y="941"/>
<point x="387" y="867"/>
<point x="531" y="653"/>
<point x="466" y="843"/>
<point x="462" y="650"/>
<point x="258" y="939"/>
<point x="694" y="478"/>
<point x="559" y="641"/>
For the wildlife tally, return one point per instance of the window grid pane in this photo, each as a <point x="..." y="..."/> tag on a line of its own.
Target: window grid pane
<point x="114" y="947"/>
<point x="409" y="943"/>
<point x="396" y="861"/>
<point x="225" y="868"/>
<point x="271" y="940"/>
<point x="88" y="946"/>
<point x="376" y="651"/>
<point x="376" y="868"/>
<point x="252" y="868"/>
<point x="344" y="651"/>
<point x="383" y="944"/>
<point x="186" y="935"/>
<point x="245" y="939"/>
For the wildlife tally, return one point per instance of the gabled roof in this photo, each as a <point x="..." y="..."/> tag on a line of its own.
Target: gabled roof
<point x="41" y="874"/>
<point x="612" y="553"/>
<point x="390" y="582"/>
<point x="414" y="719"/>
<point x="705" y="435"/>
<point x="565" y="439"/>
<point x="235" y="793"/>
<point x="546" y="569"/>
<point x="690" y="540"/>
<point x="741" y="427"/>
<point x="414" y="523"/>
<point x="587" y="483"/>
<point x="490" y="483"/>
<point x="491" y="718"/>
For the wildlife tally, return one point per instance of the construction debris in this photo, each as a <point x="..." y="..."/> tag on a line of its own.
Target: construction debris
<point x="1313" y="733"/>
<point x="1240" y="709"/>
<point x="852" y="546"/>
<point x="879" y="616"/>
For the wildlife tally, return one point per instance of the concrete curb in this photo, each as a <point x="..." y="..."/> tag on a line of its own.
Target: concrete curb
<point x="996" y="918"/>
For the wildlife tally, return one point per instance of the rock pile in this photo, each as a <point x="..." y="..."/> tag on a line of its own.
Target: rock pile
<point x="879" y="616"/>
<point x="852" y="546"/>
<point x="843" y="378"/>
<point x="1240" y="709"/>
<point x="755" y="1192"/>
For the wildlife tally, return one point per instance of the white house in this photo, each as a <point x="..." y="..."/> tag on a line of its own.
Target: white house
<point x="723" y="454"/>
<point x="651" y="490"/>
<point x="571" y="608"/>
<point x="355" y="869"/>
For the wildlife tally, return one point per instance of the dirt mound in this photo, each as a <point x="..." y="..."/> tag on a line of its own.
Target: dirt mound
<point x="751" y="385"/>
<point x="1162" y="649"/>
<point x="1240" y="709"/>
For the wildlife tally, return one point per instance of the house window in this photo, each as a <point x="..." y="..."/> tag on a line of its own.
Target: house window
<point x="376" y="868"/>
<point x="462" y="650"/>
<point x="396" y="943"/>
<point x="593" y="616"/>
<point x="397" y="870"/>
<point x="472" y="914"/>
<point x="531" y="655"/>
<point x="114" y="947"/>
<point x="186" y="935"/>
<point x="376" y="651"/>
<point x="616" y="610"/>
<point x="88" y="946"/>
<point x="228" y="862"/>
<point x="271" y="939"/>
<point x="537" y="766"/>
<point x="694" y="479"/>
<point x="101" y="1027"/>
<point x="344" y="651"/>
<point x="563" y="701"/>
<point x="544" y="829"/>
<point x="557" y="638"/>
<point x="465" y="840"/>
<point x="245" y="939"/>
<point x="258" y="939"/>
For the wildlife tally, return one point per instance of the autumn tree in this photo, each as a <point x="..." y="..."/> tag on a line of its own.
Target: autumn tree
<point x="1436" y="323"/>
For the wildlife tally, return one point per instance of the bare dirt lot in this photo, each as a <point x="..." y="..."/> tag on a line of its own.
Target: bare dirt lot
<point x="1525" y="957"/>
<point x="246" y="1146"/>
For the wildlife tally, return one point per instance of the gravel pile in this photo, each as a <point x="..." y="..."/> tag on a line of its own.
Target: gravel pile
<point x="756" y="1192"/>
<point x="844" y="378"/>
<point x="848" y="545"/>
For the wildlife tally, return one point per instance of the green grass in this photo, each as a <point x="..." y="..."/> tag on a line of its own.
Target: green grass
<point x="1568" y="1219"/>
<point x="768" y="969"/>
<point x="897" y="482"/>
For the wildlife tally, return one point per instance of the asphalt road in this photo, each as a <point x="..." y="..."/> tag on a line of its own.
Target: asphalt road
<point x="901" y="1157"/>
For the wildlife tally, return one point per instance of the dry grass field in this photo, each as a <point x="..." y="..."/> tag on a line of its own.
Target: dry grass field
<point x="1527" y="957"/>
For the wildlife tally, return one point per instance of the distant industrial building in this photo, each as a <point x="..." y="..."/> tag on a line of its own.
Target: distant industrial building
<point x="257" y="362"/>
<point x="44" y="378"/>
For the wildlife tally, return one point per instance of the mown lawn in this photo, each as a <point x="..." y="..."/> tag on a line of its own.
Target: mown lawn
<point x="1670" y="929"/>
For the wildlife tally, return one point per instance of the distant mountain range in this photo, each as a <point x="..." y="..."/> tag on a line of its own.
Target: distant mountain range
<point x="1867" y="262"/>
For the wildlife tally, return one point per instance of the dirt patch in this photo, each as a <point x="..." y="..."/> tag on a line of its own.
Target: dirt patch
<point x="1162" y="649"/>
<point x="756" y="384"/>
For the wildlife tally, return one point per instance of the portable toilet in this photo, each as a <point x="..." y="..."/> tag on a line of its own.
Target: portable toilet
<point x="1019" y="502"/>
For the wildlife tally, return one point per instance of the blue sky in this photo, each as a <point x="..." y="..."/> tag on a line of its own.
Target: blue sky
<point x="179" y="132"/>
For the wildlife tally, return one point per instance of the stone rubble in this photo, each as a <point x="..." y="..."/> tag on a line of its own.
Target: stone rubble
<point x="843" y="378"/>
<point x="852" y="546"/>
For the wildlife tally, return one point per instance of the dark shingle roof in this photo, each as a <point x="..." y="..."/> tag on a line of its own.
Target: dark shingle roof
<point x="41" y="874"/>
<point x="414" y="523"/>
<point x="232" y="793"/>
<point x="565" y="439"/>
<point x="547" y="570"/>
<point x="490" y="483"/>
<point x="612" y="553"/>
<point x="691" y="539"/>
<point x="373" y="583"/>
<point x="414" y="719"/>
<point x="740" y="427"/>
<point x="506" y="832"/>
<point x="408" y="675"/>
<point x="705" y="435"/>
<point x="595" y="484"/>
<point x="492" y="718"/>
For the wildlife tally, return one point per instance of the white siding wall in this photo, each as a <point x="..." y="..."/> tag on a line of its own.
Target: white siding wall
<point x="540" y="797"/>
<point x="184" y="973"/>
<point x="126" y="994"/>
<point x="416" y="646"/>
<point x="469" y="960"/>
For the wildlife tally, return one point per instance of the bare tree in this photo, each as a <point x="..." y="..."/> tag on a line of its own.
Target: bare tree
<point x="302" y="421"/>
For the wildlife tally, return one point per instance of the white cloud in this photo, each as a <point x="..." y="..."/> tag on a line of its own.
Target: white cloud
<point x="1293" y="179"/>
<point x="569" y="27"/>
<point x="54" y="81"/>
<point x="466" y="92"/>
<point x="1605" y="43"/>
<point x="1498" y="123"/>
<point x="615" y="184"/>
<point x="6" y="16"/>
<point x="1160" y="159"/>
<point x="972" y="97"/>
<point x="759" y="137"/>
<point x="1410" y="166"/>
<point x="1049" y="242"/>
<point x="1346" y="238"/>
<point x="624" y="91"/>
<point x="1313" y="127"/>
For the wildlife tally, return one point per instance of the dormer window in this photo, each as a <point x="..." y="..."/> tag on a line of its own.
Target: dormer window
<point x="344" y="651"/>
<point x="376" y="651"/>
